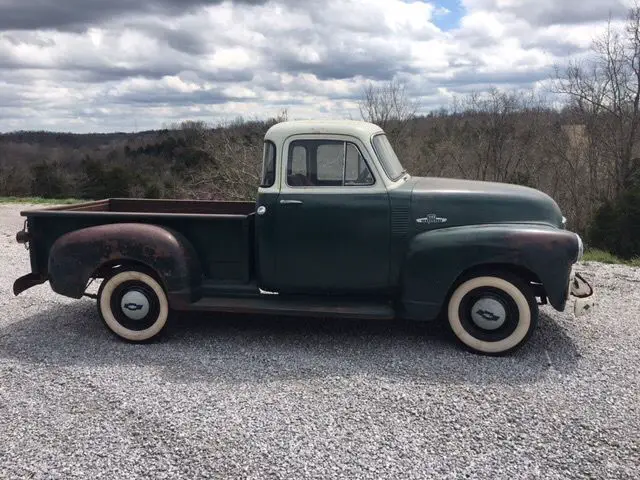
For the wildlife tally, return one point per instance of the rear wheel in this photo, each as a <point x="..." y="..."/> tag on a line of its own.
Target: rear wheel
<point x="133" y="305"/>
<point x="493" y="314"/>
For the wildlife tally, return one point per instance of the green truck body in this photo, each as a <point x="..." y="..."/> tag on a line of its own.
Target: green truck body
<point x="338" y="229"/>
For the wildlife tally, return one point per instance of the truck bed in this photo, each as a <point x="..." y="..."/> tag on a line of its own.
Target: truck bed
<point x="222" y="233"/>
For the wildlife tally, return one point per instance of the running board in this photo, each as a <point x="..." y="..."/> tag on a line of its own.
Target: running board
<point x="215" y="289"/>
<point x="304" y="307"/>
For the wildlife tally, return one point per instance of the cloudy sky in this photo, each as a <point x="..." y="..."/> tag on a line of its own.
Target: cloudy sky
<point x="107" y="65"/>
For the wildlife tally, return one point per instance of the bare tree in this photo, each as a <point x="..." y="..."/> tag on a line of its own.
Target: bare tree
<point x="604" y="90"/>
<point x="228" y="156"/>
<point x="501" y="134"/>
<point x="389" y="106"/>
<point x="235" y="171"/>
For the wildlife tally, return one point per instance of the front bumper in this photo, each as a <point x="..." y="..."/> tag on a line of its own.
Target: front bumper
<point x="583" y="293"/>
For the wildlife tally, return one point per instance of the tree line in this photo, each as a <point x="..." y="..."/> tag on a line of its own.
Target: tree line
<point x="582" y="148"/>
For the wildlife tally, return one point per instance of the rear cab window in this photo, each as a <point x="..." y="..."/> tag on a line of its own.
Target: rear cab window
<point x="268" y="176"/>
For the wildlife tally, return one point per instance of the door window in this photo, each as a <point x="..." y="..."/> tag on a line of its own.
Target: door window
<point x="330" y="158"/>
<point x="299" y="161"/>
<point x="356" y="170"/>
<point x="327" y="163"/>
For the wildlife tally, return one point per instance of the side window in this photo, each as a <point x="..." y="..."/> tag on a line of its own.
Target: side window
<point x="330" y="157"/>
<point x="298" y="174"/>
<point x="356" y="169"/>
<point x="326" y="163"/>
<point x="268" y="176"/>
<point x="299" y="161"/>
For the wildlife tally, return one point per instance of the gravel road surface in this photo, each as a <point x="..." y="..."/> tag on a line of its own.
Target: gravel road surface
<point x="241" y="397"/>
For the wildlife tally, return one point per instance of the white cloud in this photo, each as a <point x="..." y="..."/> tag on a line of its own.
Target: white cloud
<point x="97" y="73"/>
<point x="549" y="12"/>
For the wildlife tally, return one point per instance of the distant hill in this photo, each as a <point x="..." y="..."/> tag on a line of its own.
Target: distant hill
<point x="505" y="141"/>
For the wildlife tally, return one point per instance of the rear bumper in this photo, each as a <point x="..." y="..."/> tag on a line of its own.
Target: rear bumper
<point x="583" y="293"/>
<point x="27" y="281"/>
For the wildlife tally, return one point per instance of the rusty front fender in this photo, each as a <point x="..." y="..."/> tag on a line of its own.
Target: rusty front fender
<point x="436" y="259"/>
<point x="77" y="256"/>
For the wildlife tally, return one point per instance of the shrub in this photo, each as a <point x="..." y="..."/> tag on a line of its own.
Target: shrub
<point x="104" y="182"/>
<point x="48" y="181"/>
<point x="616" y="225"/>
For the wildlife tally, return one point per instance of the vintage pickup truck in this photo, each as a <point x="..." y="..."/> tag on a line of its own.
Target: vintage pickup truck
<point x="339" y="229"/>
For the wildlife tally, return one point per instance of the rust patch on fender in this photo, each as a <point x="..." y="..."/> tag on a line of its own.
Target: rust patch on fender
<point x="77" y="255"/>
<point x="555" y="244"/>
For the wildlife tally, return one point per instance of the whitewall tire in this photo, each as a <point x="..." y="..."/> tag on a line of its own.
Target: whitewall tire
<point x="133" y="305"/>
<point x="492" y="314"/>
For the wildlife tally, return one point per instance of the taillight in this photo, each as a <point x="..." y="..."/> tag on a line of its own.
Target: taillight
<point x="22" y="236"/>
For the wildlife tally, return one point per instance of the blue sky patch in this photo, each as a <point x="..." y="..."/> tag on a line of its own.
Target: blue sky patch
<point x="450" y="20"/>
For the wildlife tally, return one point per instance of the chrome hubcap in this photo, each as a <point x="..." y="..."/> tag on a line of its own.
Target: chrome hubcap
<point x="488" y="313"/>
<point x="135" y="305"/>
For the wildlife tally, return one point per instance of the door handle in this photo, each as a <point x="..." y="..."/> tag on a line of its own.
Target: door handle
<point x="290" y="202"/>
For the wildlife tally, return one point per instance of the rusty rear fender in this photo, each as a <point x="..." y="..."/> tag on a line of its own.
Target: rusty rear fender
<point x="79" y="255"/>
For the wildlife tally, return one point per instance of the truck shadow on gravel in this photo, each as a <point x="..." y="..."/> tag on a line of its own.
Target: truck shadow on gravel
<point x="235" y="348"/>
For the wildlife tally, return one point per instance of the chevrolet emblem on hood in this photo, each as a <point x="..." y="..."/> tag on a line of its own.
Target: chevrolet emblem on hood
<point x="432" y="218"/>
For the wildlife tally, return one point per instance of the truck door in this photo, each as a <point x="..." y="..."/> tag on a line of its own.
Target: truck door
<point x="332" y="226"/>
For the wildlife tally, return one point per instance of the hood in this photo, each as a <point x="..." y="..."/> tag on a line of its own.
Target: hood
<point x="445" y="202"/>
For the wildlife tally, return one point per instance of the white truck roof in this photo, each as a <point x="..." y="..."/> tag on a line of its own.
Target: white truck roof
<point x="281" y="131"/>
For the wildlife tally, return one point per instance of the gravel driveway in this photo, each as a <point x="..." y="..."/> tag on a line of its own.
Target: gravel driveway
<point x="239" y="397"/>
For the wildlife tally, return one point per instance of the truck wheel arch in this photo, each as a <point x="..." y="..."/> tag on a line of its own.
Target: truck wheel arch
<point x="94" y="251"/>
<point x="111" y="267"/>
<point x="514" y="269"/>
<point x="437" y="261"/>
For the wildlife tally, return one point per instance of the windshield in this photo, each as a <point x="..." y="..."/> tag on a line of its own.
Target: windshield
<point x="392" y="166"/>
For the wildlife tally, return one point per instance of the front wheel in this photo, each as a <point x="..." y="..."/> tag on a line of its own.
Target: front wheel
<point x="493" y="314"/>
<point x="133" y="305"/>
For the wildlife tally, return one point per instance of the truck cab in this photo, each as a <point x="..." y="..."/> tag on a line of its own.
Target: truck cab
<point x="339" y="229"/>
<point x="323" y="214"/>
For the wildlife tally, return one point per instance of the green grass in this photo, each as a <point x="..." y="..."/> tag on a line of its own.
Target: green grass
<point x="595" y="255"/>
<point x="46" y="201"/>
